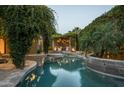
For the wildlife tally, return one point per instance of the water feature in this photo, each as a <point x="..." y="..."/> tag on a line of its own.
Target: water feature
<point x="67" y="71"/>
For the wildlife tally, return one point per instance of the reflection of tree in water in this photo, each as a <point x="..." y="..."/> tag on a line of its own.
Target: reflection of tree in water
<point x="43" y="76"/>
<point x="30" y="80"/>
<point x="67" y="63"/>
<point x="39" y="77"/>
<point x="47" y="79"/>
<point x="72" y="64"/>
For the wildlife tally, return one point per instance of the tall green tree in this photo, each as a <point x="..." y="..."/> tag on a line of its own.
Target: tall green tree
<point x="47" y="27"/>
<point x="23" y="24"/>
<point x="77" y="30"/>
<point x="2" y="32"/>
<point x="105" y="35"/>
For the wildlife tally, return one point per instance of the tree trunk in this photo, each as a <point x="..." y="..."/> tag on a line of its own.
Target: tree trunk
<point x="45" y="44"/>
<point x="77" y="43"/>
<point x="102" y="53"/>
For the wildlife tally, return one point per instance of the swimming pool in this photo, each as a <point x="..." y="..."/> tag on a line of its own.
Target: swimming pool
<point x="67" y="71"/>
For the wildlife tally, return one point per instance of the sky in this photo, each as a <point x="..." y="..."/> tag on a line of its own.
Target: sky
<point x="70" y="16"/>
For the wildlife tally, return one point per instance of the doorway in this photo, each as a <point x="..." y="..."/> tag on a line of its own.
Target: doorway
<point x="2" y="46"/>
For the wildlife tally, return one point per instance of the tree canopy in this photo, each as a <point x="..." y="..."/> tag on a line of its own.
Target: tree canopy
<point x="105" y="35"/>
<point x="23" y="23"/>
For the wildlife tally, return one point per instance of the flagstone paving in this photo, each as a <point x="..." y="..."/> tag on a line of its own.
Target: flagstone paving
<point x="11" y="76"/>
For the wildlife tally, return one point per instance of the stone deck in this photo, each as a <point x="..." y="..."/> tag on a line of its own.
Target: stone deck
<point x="10" y="77"/>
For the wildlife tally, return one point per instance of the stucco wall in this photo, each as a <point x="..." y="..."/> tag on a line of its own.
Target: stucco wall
<point x="33" y="49"/>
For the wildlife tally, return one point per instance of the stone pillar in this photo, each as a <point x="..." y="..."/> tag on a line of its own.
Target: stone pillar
<point x="53" y="44"/>
<point x="70" y="43"/>
<point x="42" y="45"/>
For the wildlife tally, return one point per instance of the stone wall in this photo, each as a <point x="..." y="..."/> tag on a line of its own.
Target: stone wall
<point x="39" y="58"/>
<point x="108" y="66"/>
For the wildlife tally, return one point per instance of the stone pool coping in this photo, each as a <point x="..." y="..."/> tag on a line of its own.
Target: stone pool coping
<point x="106" y="74"/>
<point x="13" y="77"/>
<point x="108" y="67"/>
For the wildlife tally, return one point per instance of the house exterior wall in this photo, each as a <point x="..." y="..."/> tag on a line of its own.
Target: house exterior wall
<point x="33" y="49"/>
<point x="5" y="50"/>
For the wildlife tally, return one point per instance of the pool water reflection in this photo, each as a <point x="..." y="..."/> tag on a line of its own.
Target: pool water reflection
<point x="67" y="72"/>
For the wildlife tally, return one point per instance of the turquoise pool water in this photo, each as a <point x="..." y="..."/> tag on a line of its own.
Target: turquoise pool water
<point x="67" y="71"/>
